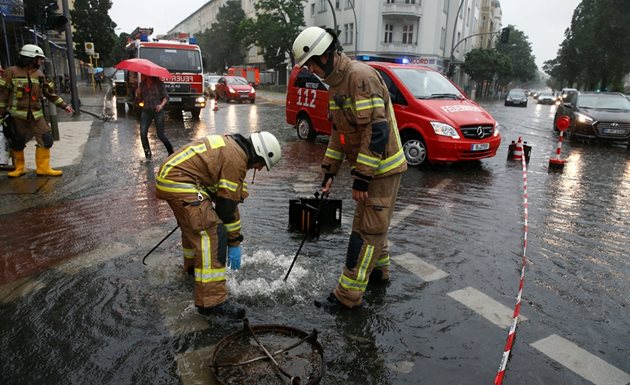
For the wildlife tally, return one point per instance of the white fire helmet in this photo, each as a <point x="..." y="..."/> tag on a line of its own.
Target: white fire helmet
<point x="313" y="41"/>
<point x="267" y="147"/>
<point x="31" y="50"/>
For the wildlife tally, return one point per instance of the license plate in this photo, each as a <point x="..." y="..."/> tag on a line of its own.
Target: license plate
<point x="174" y="99"/>
<point x="244" y="96"/>
<point x="614" y="131"/>
<point x="480" y="146"/>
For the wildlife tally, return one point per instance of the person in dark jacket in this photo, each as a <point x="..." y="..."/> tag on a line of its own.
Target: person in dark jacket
<point x="152" y="94"/>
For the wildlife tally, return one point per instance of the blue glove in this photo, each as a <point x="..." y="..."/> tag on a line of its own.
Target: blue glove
<point x="234" y="257"/>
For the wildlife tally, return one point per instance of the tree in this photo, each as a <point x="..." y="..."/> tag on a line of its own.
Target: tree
<point x="92" y="23"/>
<point x="275" y="28"/>
<point x="485" y="65"/>
<point x="519" y="50"/>
<point x="221" y="44"/>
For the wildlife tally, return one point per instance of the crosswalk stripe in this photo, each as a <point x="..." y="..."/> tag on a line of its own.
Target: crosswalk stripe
<point x="580" y="361"/>
<point x="426" y="271"/>
<point x="400" y="216"/>
<point x="439" y="187"/>
<point x="485" y="306"/>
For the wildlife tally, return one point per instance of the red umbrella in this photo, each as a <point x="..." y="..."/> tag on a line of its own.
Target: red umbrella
<point x="145" y="67"/>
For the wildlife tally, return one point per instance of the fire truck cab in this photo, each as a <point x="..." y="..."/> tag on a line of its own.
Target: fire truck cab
<point x="182" y="58"/>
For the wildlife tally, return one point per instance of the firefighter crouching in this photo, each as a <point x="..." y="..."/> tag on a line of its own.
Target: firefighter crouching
<point x="365" y="133"/>
<point x="21" y="88"/>
<point x="210" y="172"/>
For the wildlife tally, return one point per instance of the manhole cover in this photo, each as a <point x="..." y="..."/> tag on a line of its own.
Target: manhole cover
<point x="268" y="355"/>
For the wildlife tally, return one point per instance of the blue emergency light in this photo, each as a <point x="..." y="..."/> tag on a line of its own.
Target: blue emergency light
<point x="192" y="40"/>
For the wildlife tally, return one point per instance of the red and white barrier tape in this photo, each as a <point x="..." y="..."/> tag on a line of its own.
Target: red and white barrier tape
<point x="507" y="351"/>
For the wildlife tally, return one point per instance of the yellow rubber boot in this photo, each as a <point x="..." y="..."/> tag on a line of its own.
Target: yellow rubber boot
<point x="42" y="160"/>
<point x="18" y="158"/>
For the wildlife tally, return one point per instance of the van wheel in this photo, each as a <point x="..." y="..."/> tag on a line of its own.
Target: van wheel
<point x="304" y="128"/>
<point x="415" y="151"/>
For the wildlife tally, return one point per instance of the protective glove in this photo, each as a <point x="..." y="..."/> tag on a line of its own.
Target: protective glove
<point x="234" y="257"/>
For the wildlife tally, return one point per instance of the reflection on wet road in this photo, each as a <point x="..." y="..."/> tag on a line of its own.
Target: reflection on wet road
<point x="77" y="303"/>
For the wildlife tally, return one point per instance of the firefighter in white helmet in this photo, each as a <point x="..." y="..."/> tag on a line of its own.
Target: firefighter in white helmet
<point x="21" y="88"/>
<point x="365" y="133"/>
<point x="203" y="183"/>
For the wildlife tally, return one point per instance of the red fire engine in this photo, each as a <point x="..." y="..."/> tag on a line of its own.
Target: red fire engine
<point x="183" y="60"/>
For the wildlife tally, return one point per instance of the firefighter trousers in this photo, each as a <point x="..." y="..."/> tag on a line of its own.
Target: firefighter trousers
<point x="367" y="247"/>
<point x="204" y="243"/>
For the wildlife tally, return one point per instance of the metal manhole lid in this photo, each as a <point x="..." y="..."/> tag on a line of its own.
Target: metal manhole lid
<point x="268" y="355"/>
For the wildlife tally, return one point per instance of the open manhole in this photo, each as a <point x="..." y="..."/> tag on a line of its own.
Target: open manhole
<point x="268" y="355"/>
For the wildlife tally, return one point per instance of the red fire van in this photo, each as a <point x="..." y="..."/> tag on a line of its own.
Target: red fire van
<point x="436" y="120"/>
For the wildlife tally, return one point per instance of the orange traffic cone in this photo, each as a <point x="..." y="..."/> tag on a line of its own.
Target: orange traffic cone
<point x="216" y="104"/>
<point x="518" y="149"/>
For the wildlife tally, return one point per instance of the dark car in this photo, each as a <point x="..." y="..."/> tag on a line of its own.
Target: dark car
<point x="516" y="97"/>
<point x="210" y="84"/>
<point x="596" y="115"/>
<point x="235" y="88"/>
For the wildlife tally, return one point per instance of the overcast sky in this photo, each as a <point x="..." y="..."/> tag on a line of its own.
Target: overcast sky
<point x="543" y="21"/>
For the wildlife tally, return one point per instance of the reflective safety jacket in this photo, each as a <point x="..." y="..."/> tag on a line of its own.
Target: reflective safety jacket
<point x="213" y="167"/>
<point x="21" y="91"/>
<point x="364" y="126"/>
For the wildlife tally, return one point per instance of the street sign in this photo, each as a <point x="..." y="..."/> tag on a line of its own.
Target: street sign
<point x="95" y="54"/>
<point x="89" y="48"/>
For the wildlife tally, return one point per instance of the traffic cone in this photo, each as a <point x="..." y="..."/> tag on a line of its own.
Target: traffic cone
<point x="216" y="104"/>
<point x="518" y="149"/>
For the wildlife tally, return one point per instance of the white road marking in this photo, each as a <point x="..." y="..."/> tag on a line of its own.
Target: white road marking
<point x="485" y="306"/>
<point x="400" y="216"/>
<point x="426" y="271"/>
<point x="439" y="187"/>
<point x="580" y="361"/>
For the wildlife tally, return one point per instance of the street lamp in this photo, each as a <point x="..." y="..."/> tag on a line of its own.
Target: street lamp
<point x="451" y="66"/>
<point x="356" y="29"/>
<point x="6" y="42"/>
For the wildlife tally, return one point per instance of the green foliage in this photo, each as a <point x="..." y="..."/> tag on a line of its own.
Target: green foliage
<point x="484" y="64"/>
<point x="519" y="50"/>
<point x="92" y="23"/>
<point x="595" y="53"/>
<point x="221" y="44"/>
<point x="275" y="28"/>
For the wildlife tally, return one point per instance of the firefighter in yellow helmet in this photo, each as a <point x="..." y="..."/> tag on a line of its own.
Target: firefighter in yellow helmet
<point x="21" y="88"/>
<point x="203" y="183"/>
<point x="365" y="133"/>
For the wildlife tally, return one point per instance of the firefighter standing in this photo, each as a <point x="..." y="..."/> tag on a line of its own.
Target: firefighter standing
<point x="364" y="132"/>
<point x="21" y="88"/>
<point x="203" y="183"/>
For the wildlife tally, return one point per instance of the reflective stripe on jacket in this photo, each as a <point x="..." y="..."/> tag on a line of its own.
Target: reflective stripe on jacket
<point x="21" y="92"/>
<point x="207" y="168"/>
<point x="360" y="106"/>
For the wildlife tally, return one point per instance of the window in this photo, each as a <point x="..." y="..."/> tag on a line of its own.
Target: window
<point x="410" y="1"/>
<point x="468" y="16"/>
<point x="312" y="9"/>
<point x="391" y="1"/>
<point x="459" y="37"/>
<point x="443" y="38"/>
<point x="389" y="32"/>
<point x="348" y="32"/>
<point x="407" y="34"/>
<point x="349" y="4"/>
<point x="322" y="5"/>
<point x="445" y="6"/>
<point x="337" y="5"/>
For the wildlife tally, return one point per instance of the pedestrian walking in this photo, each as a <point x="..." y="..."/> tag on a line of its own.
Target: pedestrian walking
<point x="203" y="183"/>
<point x="365" y="133"/>
<point x="152" y="93"/>
<point x="98" y="79"/>
<point x="21" y="89"/>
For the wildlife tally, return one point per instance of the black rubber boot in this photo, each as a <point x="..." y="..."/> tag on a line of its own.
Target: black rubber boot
<point x="331" y="304"/>
<point x="147" y="154"/>
<point x="226" y="309"/>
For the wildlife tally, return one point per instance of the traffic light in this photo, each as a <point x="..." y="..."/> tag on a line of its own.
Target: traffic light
<point x="505" y="35"/>
<point x="54" y="20"/>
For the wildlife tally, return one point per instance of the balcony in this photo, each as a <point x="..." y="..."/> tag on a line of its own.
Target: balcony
<point x="397" y="9"/>
<point x="398" y="48"/>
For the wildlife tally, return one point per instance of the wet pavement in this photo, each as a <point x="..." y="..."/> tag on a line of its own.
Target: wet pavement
<point x="78" y="306"/>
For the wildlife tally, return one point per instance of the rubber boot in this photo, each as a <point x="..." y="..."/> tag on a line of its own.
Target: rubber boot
<point x="18" y="159"/>
<point x="42" y="160"/>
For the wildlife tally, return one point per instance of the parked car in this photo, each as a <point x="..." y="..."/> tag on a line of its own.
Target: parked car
<point x="516" y="97"/>
<point x="436" y="121"/>
<point x="235" y="88"/>
<point x="546" y="97"/>
<point x="597" y="115"/>
<point x="209" y="84"/>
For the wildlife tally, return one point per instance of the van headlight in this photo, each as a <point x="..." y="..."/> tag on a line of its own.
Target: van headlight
<point x="444" y="130"/>
<point x="496" y="129"/>
<point x="200" y="99"/>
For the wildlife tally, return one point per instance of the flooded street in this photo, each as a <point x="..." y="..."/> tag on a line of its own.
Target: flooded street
<point x="78" y="306"/>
